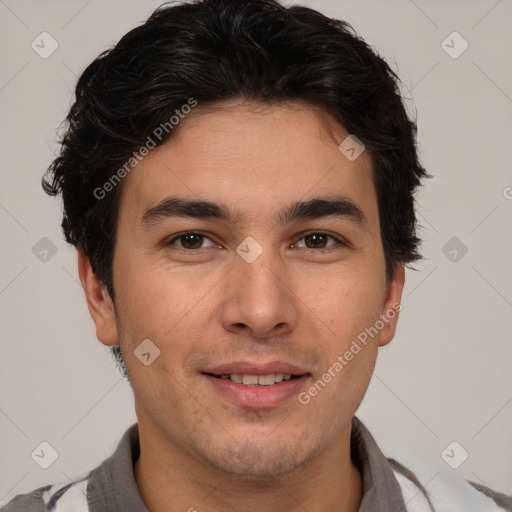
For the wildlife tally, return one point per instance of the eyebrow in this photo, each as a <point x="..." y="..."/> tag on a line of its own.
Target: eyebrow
<point x="315" y="208"/>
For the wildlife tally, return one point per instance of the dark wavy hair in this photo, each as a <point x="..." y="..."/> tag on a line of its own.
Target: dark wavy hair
<point x="216" y="50"/>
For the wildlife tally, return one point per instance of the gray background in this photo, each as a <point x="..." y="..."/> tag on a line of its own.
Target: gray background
<point x="447" y="375"/>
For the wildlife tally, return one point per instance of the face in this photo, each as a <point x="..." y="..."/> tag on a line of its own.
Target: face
<point x="264" y="281"/>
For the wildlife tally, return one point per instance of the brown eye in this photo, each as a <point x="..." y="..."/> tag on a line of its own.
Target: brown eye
<point x="318" y="240"/>
<point x="189" y="241"/>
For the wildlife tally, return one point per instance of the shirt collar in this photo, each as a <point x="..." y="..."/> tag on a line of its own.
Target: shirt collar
<point x="112" y="485"/>
<point x="381" y="490"/>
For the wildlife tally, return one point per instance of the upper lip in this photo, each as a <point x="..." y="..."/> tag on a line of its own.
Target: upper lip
<point x="253" y="368"/>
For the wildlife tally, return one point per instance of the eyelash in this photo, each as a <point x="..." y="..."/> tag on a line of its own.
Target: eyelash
<point x="170" y="242"/>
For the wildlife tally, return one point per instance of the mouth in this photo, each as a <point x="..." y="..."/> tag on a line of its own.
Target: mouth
<point x="257" y="385"/>
<point x="248" y="379"/>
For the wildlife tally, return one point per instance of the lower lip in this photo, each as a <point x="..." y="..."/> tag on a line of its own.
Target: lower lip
<point x="258" y="397"/>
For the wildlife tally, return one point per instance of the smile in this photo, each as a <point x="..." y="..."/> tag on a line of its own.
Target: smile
<point x="261" y="391"/>
<point x="257" y="380"/>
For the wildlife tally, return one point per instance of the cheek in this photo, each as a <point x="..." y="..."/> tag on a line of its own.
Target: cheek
<point x="344" y="302"/>
<point x="164" y="308"/>
<point x="158" y="303"/>
<point x="336" y="394"/>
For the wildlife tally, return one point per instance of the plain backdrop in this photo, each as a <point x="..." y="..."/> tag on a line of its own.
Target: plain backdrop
<point x="447" y="375"/>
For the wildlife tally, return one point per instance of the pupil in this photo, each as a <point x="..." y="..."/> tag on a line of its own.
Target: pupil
<point x="316" y="237"/>
<point x="191" y="236"/>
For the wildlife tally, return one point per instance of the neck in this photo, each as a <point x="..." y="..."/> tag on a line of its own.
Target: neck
<point x="171" y="480"/>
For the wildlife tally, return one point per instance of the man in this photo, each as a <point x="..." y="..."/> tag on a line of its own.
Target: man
<point x="238" y="180"/>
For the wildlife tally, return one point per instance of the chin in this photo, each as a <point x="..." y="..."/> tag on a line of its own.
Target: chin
<point x="260" y="462"/>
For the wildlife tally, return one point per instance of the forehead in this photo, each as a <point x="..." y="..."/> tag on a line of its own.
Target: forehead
<point x="253" y="156"/>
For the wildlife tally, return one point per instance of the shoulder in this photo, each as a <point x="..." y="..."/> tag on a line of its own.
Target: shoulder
<point x="30" y="502"/>
<point x="61" y="497"/>
<point x="446" y="492"/>
<point x="110" y="486"/>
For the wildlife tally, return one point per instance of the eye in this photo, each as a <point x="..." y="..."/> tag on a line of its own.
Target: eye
<point x="318" y="240"/>
<point x="189" y="241"/>
<point x="192" y="241"/>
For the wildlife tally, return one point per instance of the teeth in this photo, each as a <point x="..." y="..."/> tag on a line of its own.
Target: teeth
<point x="236" y="377"/>
<point x="250" y="379"/>
<point x="266" y="380"/>
<point x="257" y="380"/>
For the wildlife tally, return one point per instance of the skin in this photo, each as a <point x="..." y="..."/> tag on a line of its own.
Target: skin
<point x="209" y="307"/>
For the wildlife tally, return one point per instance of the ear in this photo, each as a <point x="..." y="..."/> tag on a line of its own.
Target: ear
<point x="392" y="307"/>
<point x="101" y="307"/>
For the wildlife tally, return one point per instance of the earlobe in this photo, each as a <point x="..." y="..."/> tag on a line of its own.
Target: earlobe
<point x="99" y="302"/>
<point x="392" y="307"/>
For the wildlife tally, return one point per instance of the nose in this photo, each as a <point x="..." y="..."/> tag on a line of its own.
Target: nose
<point x="259" y="301"/>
